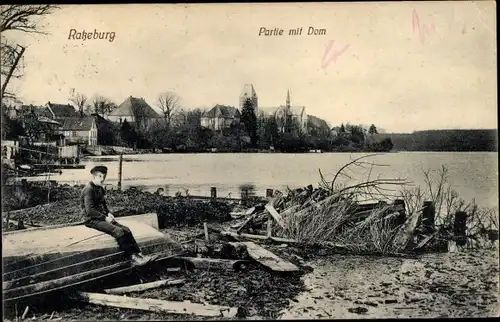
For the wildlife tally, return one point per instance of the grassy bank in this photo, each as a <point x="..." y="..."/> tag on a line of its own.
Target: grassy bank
<point x="35" y="202"/>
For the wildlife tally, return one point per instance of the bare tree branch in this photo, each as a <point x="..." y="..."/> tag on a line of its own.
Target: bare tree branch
<point x="20" y="18"/>
<point x="101" y="105"/>
<point x="79" y="99"/>
<point x="168" y="103"/>
<point x="23" y="17"/>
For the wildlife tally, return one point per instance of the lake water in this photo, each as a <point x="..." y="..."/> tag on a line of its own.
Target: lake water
<point x="471" y="174"/>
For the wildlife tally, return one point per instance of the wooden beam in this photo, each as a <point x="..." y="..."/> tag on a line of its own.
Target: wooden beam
<point x="143" y="287"/>
<point x="275" y="215"/>
<point x="246" y="222"/>
<point x="406" y="231"/>
<point x="214" y="263"/>
<point x="279" y="239"/>
<point x="155" y="305"/>
<point x="268" y="259"/>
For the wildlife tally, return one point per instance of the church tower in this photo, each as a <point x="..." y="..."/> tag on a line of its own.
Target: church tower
<point x="288" y="100"/>
<point x="248" y="92"/>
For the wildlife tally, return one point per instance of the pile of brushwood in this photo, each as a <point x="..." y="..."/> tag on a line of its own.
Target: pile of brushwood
<point x="361" y="217"/>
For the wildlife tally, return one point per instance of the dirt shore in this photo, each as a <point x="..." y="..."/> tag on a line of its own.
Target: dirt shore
<point x="463" y="284"/>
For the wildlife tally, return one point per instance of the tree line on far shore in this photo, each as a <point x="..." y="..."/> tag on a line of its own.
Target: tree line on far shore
<point x="480" y="140"/>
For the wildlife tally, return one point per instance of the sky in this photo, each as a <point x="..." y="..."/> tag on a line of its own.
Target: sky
<point x="403" y="66"/>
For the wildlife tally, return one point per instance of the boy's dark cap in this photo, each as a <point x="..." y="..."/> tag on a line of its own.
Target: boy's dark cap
<point x="100" y="168"/>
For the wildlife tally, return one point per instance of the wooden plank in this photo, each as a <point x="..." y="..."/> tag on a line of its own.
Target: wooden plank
<point x="214" y="263"/>
<point x="70" y="281"/>
<point x="143" y="287"/>
<point x="248" y="220"/>
<point x="74" y="238"/>
<point x="155" y="305"/>
<point x="267" y="258"/>
<point x="275" y="215"/>
<point x="406" y="232"/>
<point x="277" y="239"/>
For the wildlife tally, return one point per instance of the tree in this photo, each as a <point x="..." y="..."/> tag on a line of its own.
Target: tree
<point x="342" y="128"/>
<point x="101" y="106"/>
<point x="249" y="120"/>
<point x="357" y="135"/>
<point x="373" y="129"/>
<point x="17" y="18"/>
<point x="168" y="103"/>
<point x="79" y="99"/>
<point x="128" y="134"/>
<point x="33" y="127"/>
<point x="11" y="128"/>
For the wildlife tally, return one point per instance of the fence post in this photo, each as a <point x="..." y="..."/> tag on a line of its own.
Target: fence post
<point x="399" y="205"/>
<point x="244" y="194"/>
<point x="460" y="228"/>
<point x="120" y="165"/>
<point x="269" y="193"/>
<point x="213" y="192"/>
<point x="269" y="226"/>
<point x="428" y="217"/>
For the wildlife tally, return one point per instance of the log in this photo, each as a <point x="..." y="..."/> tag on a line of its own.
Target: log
<point x="275" y="215"/>
<point x="267" y="258"/>
<point x="143" y="287"/>
<point x="214" y="263"/>
<point x="155" y="305"/>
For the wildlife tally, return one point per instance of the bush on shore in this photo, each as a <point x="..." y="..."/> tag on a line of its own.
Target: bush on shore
<point x="30" y="204"/>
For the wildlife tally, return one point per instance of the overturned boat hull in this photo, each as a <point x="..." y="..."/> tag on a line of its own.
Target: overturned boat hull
<point x="41" y="260"/>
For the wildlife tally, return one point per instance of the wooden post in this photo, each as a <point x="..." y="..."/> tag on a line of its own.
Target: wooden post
<point x="428" y="217"/>
<point x="460" y="228"/>
<point x="399" y="205"/>
<point x="205" y="229"/>
<point x="269" y="226"/>
<point x="244" y="194"/>
<point x="213" y="192"/>
<point x="120" y="165"/>
<point x="269" y="193"/>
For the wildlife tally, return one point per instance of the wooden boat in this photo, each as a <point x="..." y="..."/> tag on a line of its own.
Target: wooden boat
<point x="41" y="260"/>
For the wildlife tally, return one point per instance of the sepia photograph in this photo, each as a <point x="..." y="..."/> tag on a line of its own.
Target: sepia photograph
<point x="249" y="161"/>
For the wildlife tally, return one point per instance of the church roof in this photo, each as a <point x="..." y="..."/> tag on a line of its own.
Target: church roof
<point x="295" y="110"/>
<point x="133" y="106"/>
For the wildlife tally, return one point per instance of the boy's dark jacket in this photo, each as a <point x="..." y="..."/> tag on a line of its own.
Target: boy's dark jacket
<point x="93" y="202"/>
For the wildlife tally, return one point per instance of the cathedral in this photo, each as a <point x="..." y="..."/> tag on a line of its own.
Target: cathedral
<point x="283" y="112"/>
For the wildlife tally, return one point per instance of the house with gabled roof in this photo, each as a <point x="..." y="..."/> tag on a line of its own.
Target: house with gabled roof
<point x="79" y="130"/>
<point x="58" y="111"/>
<point x="220" y="117"/>
<point x="135" y="111"/>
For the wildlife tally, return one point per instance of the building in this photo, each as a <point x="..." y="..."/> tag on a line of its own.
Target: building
<point x="135" y="111"/>
<point x="79" y="130"/>
<point x="287" y="112"/>
<point x="317" y="126"/>
<point x="220" y="117"/>
<point x="58" y="111"/>
<point x="248" y="92"/>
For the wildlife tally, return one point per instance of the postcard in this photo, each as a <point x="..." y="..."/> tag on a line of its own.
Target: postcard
<point x="249" y="160"/>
